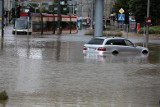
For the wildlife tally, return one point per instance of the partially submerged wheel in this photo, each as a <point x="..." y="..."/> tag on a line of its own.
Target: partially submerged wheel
<point x="13" y="32"/>
<point x="144" y="52"/>
<point x="115" y="52"/>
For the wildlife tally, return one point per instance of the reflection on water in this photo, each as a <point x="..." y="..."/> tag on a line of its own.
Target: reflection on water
<point x="120" y="58"/>
<point x="154" y="56"/>
<point x="57" y="74"/>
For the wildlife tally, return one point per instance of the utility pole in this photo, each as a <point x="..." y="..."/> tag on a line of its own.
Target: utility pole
<point x="147" y="30"/>
<point x="2" y="21"/>
<point x="1" y="16"/>
<point x="59" y="17"/>
<point x="81" y="14"/>
<point x="105" y="12"/>
<point x="99" y="17"/>
<point x="92" y="14"/>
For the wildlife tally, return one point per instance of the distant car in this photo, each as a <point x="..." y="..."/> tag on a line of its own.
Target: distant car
<point x="114" y="45"/>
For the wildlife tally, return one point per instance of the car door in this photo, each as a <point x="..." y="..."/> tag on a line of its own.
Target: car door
<point x="129" y="46"/>
<point x="121" y="46"/>
<point x="111" y="45"/>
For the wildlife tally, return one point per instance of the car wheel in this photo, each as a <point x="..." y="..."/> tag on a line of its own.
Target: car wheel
<point x="144" y="52"/>
<point x="115" y="52"/>
<point x="13" y="32"/>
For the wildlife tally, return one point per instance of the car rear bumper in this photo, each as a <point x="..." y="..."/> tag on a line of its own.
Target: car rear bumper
<point x="101" y="53"/>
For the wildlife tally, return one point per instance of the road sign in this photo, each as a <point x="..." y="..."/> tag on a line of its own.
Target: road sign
<point x="148" y="20"/>
<point x="121" y="17"/>
<point x="121" y="11"/>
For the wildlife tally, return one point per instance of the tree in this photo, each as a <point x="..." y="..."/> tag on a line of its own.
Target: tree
<point x="139" y="9"/>
<point x="122" y="4"/>
<point x="64" y="8"/>
<point x="18" y="12"/>
<point x="34" y="7"/>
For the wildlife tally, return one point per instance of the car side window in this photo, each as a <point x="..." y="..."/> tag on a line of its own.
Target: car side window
<point x="115" y="42"/>
<point x="110" y="42"/>
<point x="129" y="43"/>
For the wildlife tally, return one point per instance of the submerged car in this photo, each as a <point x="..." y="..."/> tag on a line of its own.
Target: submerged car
<point x="114" y="45"/>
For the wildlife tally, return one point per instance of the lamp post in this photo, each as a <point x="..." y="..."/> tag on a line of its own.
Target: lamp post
<point x="147" y="30"/>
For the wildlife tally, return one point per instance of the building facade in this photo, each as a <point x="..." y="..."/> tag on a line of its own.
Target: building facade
<point x="86" y="8"/>
<point x="83" y="8"/>
<point x="8" y="5"/>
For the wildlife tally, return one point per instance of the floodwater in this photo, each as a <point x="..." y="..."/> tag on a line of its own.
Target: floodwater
<point x="53" y="72"/>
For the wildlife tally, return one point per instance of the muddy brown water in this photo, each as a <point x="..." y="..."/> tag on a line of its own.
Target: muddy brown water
<point x="55" y="73"/>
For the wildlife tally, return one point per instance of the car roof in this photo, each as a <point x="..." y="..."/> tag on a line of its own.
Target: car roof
<point x="109" y="37"/>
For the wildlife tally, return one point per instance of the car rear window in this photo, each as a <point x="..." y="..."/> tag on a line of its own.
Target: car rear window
<point x="96" y="41"/>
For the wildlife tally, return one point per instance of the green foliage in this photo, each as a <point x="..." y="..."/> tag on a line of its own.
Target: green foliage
<point x="64" y="8"/>
<point x="3" y="95"/>
<point x="50" y="7"/>
<point x="33" y="6"/>
<point x="122" y="4"/>
<point x="139" y="9"/>
<point x="152" y="30"/>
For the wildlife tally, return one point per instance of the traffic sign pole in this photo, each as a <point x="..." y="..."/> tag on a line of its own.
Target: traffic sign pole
<point x="148" y="21"/>
<point x="121" y="17"/>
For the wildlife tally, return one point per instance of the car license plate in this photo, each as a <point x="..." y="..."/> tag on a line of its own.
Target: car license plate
<point x="92" y="49"/>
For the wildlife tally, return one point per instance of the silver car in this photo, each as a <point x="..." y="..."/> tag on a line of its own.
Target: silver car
<point x="114" y="45"/>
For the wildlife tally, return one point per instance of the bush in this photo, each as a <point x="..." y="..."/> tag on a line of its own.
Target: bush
<point x="3" y="95"/>
<point x="90" y="32"/>
<point x="113" y="33"/>
<point x="152" y="30"/>
<point x="106" y="33"/>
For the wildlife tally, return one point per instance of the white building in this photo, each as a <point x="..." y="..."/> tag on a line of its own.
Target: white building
<point x="7" y="10"/>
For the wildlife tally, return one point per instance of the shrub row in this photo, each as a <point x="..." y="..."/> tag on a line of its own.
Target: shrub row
<point x="105" y="33"/>
<point x="152" y="30"/>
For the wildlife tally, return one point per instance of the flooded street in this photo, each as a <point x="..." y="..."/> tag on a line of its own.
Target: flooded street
<point x="52" y="71"/>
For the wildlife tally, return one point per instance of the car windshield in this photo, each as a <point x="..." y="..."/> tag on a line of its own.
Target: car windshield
<point x="21" y="24"/>
<point x="96" y="41"/>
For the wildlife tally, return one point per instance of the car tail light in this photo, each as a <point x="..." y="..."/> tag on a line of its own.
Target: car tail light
<point x="101" y="49"/>
<point x="84" y="48"/>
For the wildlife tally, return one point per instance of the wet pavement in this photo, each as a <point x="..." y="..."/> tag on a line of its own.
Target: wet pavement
<point x="51" y="71"/>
